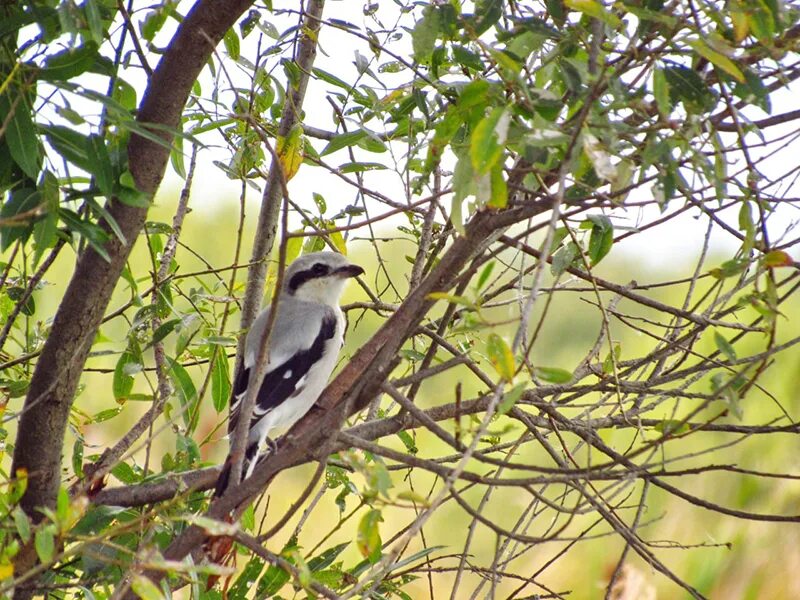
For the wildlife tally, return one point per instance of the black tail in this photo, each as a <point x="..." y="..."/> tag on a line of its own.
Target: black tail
<point x="250" y="454"/>
<point x="222" y="480"/>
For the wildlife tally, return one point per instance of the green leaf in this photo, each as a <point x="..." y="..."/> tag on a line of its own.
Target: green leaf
<point x="541" y="137"/>
<point x="245" y="580"/>
<point x="17" y="293"/>
<point x="728" y="391"/>
<point x="70" y="144"/>
<point x="564" y="258"/>
<point x="686" y="85"/>
<point x="129" y="363"/>
<point x="248" y="520"/>
<point x="414" y="497"/>
<point x="101" y="165"/>
<point x="125" y="473"/>
<point x="101" y="210"/>
<point x="272" y="581"/>
<point x="164" y="330"/>
<point x="601" y="239"/>
<point x="77" y="458"/>
<point x="94" y="20"/>
<point x="231" y="41"/>
<point x="424" y="34"/>
<point x="467" y="58"/>
<point x="220" y="380"/>
<point x="378" y="479"/>
<point x="368" y="537"/>
<point x="595" y="9"/>
<point x="753" y="91"/>
<point x="371" y="143"/>
<point x="44" y="543"/>
<point x="453" y="298"/>
<point x="761" y="18"/>
<point x="62" y="506"/>
<point x="661" y="92"/>
<point x="331" y="78"/>
<point x="91" y="232"/>
<point x="44" y="230"/>
<point x="408" y="442"/>
<point x="506" y="61"/>
<point x="22" y="524"/>
<point x="22" y="201"/>
<point x="724" y="346"/>
<point x="325" y="559"/>
<point x="474" y="94"/>
<point x="153" y="22"/>
<point x="145" y="588"/>
<point x="487" y="14"/>
<point x="463" y="186"/>
<point x="360" y="167"/>
<point x="105" y="415"/>
<point x="125" y="94"/>
<point x="612" y="358"/>
<point x="553" y="375"/>
<point x="730" y="268"/>
<point x="747" y="226"/>
<point x="343" y="140"/>
<point x="649" y="14"/>
<point x="187" y="393"/>
<point x="501" y="357"/>
<point x="20" y="133"/>
<point x="717" y="59"/>
<point x="486" y="142"/>
<point x="510" y="398"/>
<point x="337" y="239"/>
<point x="672" y="427"/>
<point x="69" y="63"/>
<point x="486" y="272"/>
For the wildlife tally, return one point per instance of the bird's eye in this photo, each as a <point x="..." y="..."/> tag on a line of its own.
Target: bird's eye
<point x="319" y="269"/>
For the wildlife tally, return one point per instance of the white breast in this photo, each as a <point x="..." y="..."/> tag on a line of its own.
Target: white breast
<point x="293" y="409"/>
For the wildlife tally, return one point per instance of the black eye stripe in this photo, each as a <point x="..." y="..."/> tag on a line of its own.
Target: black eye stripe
<point x="316" y="271"/>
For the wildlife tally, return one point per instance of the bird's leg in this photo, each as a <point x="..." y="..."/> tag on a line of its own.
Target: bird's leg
<point x="272" y="445"/>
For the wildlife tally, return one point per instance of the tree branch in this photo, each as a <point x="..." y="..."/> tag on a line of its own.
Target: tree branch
<point x="60" y="365"/>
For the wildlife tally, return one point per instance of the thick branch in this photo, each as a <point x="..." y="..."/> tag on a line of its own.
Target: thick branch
<point x="60" y="365"/>
<point x="362" y="377"/>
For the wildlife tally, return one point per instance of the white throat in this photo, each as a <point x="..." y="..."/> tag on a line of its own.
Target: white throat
<point x="325" y="290"/>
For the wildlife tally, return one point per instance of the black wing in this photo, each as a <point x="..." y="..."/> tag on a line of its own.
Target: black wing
<point x="281" y="383"/>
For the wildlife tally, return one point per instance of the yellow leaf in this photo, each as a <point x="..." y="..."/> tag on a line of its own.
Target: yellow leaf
<point x="777" y="258"/>
<point x="501" y="357"/>
<point x="498" y="196"/>
<point x="741" y="26"/>
<point x="338" y="240"/>
<point x="290" y="151"/>
<point x="6" y="571"/>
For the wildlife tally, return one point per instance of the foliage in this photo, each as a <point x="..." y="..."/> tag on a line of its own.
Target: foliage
<point x="486" y="161"/>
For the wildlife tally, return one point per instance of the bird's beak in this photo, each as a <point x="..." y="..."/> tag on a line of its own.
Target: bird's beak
<point x="349" y="271"/>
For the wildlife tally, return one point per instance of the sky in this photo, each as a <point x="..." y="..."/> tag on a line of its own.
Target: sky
<point x="343" y="54"/>
<point x="340" y="54"/>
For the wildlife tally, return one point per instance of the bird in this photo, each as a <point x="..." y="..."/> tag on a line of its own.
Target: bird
<point x="302" y="350"/>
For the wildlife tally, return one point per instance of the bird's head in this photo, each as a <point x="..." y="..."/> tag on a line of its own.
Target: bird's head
<point x="319" y="277"/>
